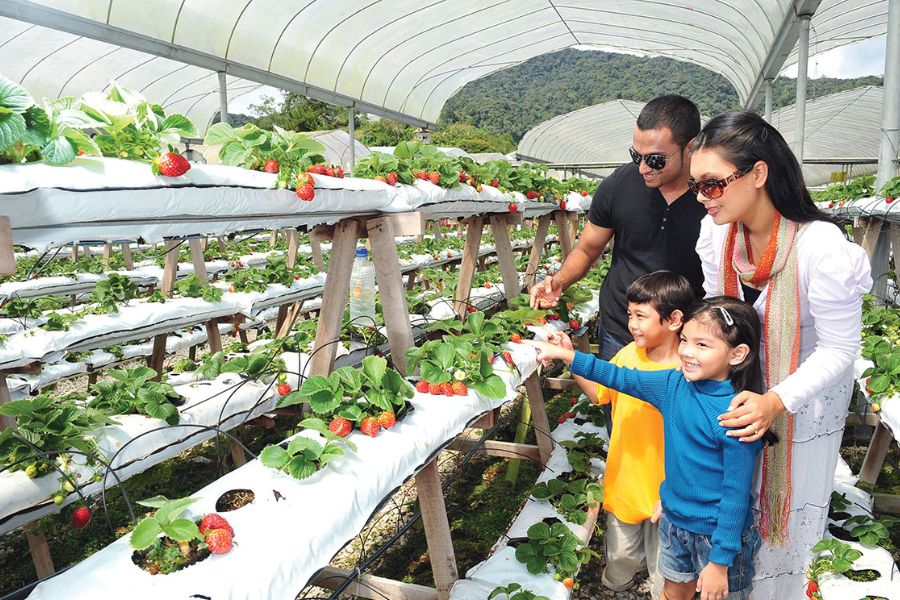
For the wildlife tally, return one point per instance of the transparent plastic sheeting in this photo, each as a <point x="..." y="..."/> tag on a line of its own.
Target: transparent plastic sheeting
<point x="401" y="56"/>
<point x="841" y="125"/>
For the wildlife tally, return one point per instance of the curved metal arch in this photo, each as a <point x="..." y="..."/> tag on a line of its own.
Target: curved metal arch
<point x="554" y="140"/>
<point x="45" y="57"/>
<point x="195" y="81"/>
<point x="81" y="69"/>
<point x="158" y="79"/>
<point x="448" y="77"/>
<point x="205" y="95"/>
<point x="681" y="24"/>
<point x="177" y="21"/>
<point x="21" y="33"/>
<point x="563" y="21"/>
<point x="434" y="49"/>
<point x="283" y="31"/>
<point x="312" y="55"/>
<point x="234" y="27"/>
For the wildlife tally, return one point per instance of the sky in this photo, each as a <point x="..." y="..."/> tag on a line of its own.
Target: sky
<point x="855" y="60"/>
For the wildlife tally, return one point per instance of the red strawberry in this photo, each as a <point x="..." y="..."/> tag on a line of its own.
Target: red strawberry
<point x="459" y="388"/>
<point x="422" y="386"/>
<point x="434" y="388"/>
<point x="463" y="177"/>
<point x="380" y="178"/>
<point x="283" y="389"/>
<point x="513" y="207"/>
<point x="542" y="320"/>
<point x="215" y="521"/>
<point x="841" y="203"/>
<point x="487" y="285"/>
<point x="80" y="152"/>
<point x="435" y="177"/>
<point x="170" y="164"/>
<point x="422" y="175"/>
<point x="889" y="199"/>
<point x="495" y="182"/>
<point x="562" y="419"/>
<point x="572" y="402"/>
<point x="317" y="169"/>
<point x="340" y="426"/>
<point x="562" y="205"/>
<point x="81" y="516"/>
<point x="568" y="582"/>
<point x="472" y="181"/>
<point x="370" y="426"/>
<point x="271" y="166"/>
<point x="515" y="338"/>
<point x="584" y="194"/>
<point x="446" y="389"/>
<point x="472" y="309"/>
<point x="575" y="324"/>
<point x="531" y="194"/>
<point x="392" y="178"/>
<point x="219" y="541"/>
<point x="305" y="178"/>
<point x="339" y="172"/>
<point x="306" y="192"/>
<point x="387" y="419"/>
<point x="553" y="317"/>
<point x="831" y="205"/>
<point x="507" y="356"/>
<point x="329" y="171"/>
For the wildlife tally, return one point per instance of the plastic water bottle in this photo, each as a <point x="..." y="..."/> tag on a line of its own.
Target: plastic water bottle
<point x="362" y="290"/>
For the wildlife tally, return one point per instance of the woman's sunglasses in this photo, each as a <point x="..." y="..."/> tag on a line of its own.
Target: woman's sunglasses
<point x="714" y="188"/>
<point x="654" y="160"/>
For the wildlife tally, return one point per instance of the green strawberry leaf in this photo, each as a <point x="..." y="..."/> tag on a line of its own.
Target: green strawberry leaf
<point x="182" y="530"/>
<point x="274" y="457"/>
<point x="145" y="533"/>
<point x="300" y="468"/>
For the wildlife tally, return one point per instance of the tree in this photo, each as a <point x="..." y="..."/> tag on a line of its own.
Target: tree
<point x="299" y="113"/>
<point x="472" y="139"/>
<point x="384" y="132"/>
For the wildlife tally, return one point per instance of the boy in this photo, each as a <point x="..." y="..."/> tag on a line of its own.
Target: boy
<point x="657" y="303"/>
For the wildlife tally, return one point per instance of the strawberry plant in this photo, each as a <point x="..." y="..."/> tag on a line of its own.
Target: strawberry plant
<point x="572" y="499"/>
<point x="30" y="308"/>
<point x="167" y="541"/>
<point x="303" y="456"/>
<point x="870" y="531"/>
<point x="554" y="546"/>
<point x="251" y="147"/>
<point x="440" y="360"/>
<point x="514" y="591"/>
<point x="256" y="279"/>
<point x="111" y="291"/>
<point x="833" y="556"/>
<point x="133" y="391"/>
<point x="891" y="188"/>
<point x="53" y="425"/>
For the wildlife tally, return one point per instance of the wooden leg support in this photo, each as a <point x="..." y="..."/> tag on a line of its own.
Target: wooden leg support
<point x="539" y="417"/>
<point x="537" y="250"/>
<point x="500" y="226"/>
<point x="437" y="529"/>
<point x="878" y="448"/>
<point x="5" y="422"/>
<point x="562" y="228"/>
<point x="40" y="552"/>
<point x="467" y="270"/>
<point x="370" y="586"/>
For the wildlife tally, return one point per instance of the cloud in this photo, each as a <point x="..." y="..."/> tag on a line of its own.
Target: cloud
<point x="856" y="60"/>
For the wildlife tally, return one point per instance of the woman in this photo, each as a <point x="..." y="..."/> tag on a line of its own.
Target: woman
<point x="765" y="241"/>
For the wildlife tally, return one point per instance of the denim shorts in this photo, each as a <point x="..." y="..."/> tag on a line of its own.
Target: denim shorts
<point x="683" y="555"/>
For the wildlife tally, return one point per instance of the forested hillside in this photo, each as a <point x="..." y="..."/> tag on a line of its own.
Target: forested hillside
<point x="516" y="99"/>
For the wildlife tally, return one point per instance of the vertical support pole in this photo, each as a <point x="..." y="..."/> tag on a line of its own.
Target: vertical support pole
<point x="107" y="254"/>
<point x="126" y="256"/>
<point x="537" y="250"/>
<point x="334" y="297"/>
<point x="436" y="228"/>
<point x="562" y="230"/>
<point x="467" y="268"/>
<point x="503" y="248"/>
<point x="539" y="417"/>
<point x="878" y="448"/>
<point x="512" y="470"/>
<point x="351" y="130"/>
<point x="437" y="529"/>
<point x="170" y="270"/>
<point x="316" y="248"/>
<point x="223" y="98"/>
<point x="7" y="253"/>
<point x="390" y="287"/>
<point x="573" y="227"/>
<point x="769" y="100"/>
<point x="802" y="68"/>
<point x="5" y="422"/>
<point x="40" y="552"/>
<point x="290" y="261"/>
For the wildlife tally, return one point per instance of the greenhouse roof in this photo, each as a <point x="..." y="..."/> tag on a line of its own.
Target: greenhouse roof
<point x="839" y="128"/>
<point x="402" y="58"/>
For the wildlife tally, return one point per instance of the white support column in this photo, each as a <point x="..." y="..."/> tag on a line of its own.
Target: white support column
<point x="802" y="68"/>
<point x="351" y="129"/>
<point x="223" y="98"/>
<point x="769" y="101"/>
<point x="890" y="102"/>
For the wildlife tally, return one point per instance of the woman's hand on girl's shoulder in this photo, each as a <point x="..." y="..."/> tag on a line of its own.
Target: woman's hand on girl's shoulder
<point x="750" y="415"/>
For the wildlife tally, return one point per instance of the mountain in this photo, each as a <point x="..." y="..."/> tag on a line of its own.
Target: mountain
<point x="514" y="100"/>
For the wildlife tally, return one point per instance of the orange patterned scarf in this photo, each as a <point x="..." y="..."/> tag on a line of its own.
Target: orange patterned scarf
<point x="778" y="267"/>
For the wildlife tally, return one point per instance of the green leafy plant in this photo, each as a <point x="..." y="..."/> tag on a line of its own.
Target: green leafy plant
<point x="250" y="147"/>
<point x="833" y="556"/>
<point x="514" y="591"/>
<point x="30" y="308"/>
<point x="194" y="287"/>
<point x="303" y="455"/>
<point x="133" y="391"/>
<point x="112" y="291"/>
<point x="555" y="546"/>
<point x="572" y="499"/>
<point x="52" y="425"/>
<point x="440" y="361"/>
<point x="870" y="531"/>
<point x="891" y="188"/>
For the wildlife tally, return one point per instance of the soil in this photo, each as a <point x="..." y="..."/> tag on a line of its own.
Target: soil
<point x="165" y="556"/>
<point x="234" y="499"/>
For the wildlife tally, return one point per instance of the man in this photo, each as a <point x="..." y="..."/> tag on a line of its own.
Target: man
<point x="648" y="207"/>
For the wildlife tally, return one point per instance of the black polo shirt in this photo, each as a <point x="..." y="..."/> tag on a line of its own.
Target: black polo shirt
<point x="649" y="235"/>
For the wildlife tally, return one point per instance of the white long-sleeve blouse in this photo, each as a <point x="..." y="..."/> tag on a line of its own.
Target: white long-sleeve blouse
<point x="834" y="273"/>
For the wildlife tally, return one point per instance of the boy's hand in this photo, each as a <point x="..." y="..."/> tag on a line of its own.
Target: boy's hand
<point x="657" y="512"/>
<point x="713" y="582"/>
<point x="547" y="352"/>
<point x="561" y="339"/>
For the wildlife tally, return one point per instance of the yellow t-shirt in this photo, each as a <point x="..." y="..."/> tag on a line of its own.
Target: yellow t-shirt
<point x="634" y="465"/>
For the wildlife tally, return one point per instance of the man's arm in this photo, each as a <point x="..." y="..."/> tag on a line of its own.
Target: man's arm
<point x="590" y="246"/>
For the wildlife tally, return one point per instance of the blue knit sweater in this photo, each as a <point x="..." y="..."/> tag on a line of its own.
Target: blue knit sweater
<point x="709" y="476"/>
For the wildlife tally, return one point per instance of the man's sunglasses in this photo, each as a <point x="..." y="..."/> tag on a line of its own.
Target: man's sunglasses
<point x="654" y="160"/>
<point x="714" y="188"/>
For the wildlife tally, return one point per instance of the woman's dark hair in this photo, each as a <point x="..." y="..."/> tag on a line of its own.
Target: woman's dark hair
<point x="675" y="112"/>
<point x="665" y="291"/>
<point x="742" y="138"/>
<point x="744" y="328"/>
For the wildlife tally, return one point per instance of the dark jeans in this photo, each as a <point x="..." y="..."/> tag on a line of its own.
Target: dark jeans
<point x="610" y="344"/>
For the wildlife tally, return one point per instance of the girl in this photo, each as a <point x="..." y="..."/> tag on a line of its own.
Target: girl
<point x="707" y="538"/>
<point x="763" y="240"/>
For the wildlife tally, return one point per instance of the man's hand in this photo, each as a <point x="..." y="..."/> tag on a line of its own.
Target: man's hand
<point x="546" y="293"/>
<point x="713" y="582"/>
